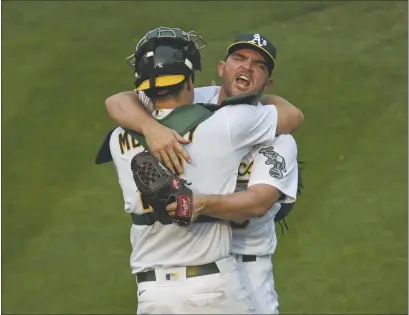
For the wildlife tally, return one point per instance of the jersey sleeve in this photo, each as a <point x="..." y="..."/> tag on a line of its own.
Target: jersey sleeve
<point x="276" y="165"/>
<point x="251" y="125"/>
<point x="124" y="173"/>
<point x="146" y="102"/>
<point x="207" y="94"/>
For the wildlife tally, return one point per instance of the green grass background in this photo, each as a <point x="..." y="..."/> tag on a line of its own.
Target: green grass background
<point x="65" y="237"/>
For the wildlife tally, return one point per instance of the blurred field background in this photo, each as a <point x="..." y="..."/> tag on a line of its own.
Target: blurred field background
<point x="65" y="237"/>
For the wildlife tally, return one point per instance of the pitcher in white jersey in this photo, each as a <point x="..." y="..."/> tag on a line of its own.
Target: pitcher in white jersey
<point x="267" y="175"/>
<point x="190" y="271"/>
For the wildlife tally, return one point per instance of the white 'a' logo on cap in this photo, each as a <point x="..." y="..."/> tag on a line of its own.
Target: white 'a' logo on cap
<point x="258" y="40"/>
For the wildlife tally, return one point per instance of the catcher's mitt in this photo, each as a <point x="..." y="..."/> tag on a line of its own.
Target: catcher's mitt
<point x="160" y="187"/>
<point x="287" y="207"/>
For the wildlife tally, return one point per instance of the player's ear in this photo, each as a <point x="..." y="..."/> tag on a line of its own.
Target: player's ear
<point x="220" y="68"/>
<point x="189" y="84"/>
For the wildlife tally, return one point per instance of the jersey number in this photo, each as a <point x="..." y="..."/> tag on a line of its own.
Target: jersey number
<point x="241" y="225"/>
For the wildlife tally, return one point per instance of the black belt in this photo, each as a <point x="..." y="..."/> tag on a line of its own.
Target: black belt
<point x="150" y="218"/>
<point x="191" y="271"/>
<point x="246" y="258"/>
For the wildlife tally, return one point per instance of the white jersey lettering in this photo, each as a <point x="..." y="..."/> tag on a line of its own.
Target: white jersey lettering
<point x="274" y="165"/>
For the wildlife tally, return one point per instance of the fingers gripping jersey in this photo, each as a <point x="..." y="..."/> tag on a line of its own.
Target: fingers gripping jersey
<point x="274" y="165"/>
<point x="217" y="146"/>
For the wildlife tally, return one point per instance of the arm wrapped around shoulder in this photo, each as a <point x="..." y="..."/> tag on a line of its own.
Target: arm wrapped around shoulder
<point x="160" y="187"/>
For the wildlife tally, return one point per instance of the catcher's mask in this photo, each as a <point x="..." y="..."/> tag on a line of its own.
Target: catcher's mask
<point x="165" y="57"/>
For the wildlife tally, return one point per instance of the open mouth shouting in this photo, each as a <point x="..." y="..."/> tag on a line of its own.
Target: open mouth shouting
<point x="243" y="82"/>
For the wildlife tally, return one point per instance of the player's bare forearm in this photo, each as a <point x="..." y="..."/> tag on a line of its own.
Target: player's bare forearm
<point x="239" y="206"/>
<point x="127" y="111"/>
<point x="290" y="117"/>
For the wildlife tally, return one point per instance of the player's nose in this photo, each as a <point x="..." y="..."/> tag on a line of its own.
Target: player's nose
<point x="247" y="64"/>
<point x="247" y="69"/>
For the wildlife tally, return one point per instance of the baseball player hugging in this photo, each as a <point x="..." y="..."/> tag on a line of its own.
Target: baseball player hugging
<point x="204" y="253"/>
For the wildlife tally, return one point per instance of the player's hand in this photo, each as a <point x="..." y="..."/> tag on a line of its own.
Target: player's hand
<point x="166" y="145"/>
<point x="199" y="204"/>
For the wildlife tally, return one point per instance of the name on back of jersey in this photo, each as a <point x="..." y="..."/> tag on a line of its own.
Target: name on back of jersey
<point x="127" y="142"/>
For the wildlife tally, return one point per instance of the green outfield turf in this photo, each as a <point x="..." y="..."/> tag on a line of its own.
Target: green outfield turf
<point x="65" y="236"/>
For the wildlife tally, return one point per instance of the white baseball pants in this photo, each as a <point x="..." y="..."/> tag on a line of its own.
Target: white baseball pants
<point x="259" y="281"/>
<point x="174" y="291"/>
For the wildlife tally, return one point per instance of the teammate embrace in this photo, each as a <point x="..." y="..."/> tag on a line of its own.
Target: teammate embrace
<point x="221" y="265"/>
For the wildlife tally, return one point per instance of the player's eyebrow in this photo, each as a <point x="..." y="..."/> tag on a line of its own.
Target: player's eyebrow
<point x="240" y="55"/>
<point x="257" y="61"/>
<point x="260" y="61"/>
